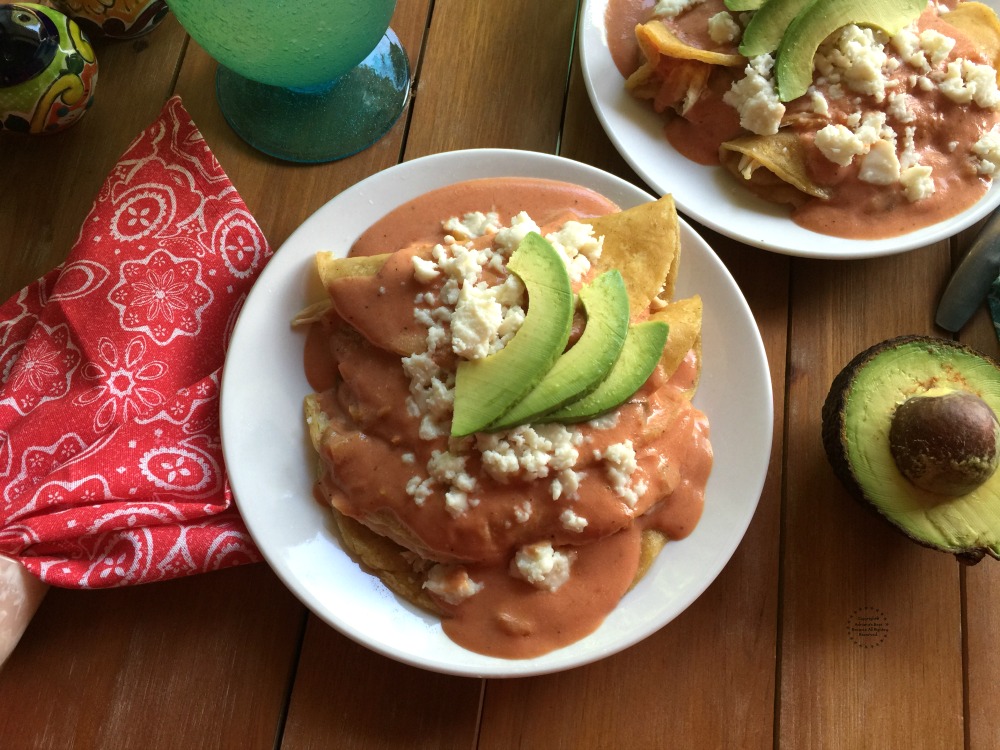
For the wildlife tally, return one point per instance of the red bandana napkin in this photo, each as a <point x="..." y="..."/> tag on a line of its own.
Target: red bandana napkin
<point x="111" y="468"/>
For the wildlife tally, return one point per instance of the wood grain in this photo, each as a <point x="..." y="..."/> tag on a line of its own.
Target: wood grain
<point x="871" y="628"/>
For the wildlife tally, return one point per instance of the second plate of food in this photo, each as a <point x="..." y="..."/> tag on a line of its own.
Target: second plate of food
<point x="709" y="194"/>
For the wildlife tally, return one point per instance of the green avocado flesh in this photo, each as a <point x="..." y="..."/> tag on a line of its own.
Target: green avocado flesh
<point x="639" y="356"/>
<point x="584" y="365"/>
<point x="486" y="388"/>
<point x="859" y="414"/>
<point x="740" y="5"/>
<point x="793" y="67"/>
<point x="766" y="27"/>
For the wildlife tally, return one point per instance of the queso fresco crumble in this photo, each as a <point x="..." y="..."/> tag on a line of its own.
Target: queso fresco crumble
<point x="470" y="309"/>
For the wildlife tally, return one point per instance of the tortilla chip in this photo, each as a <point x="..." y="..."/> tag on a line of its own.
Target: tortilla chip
<point x="644" y="244"/>
<point x="684" y="318"/>
<point x="652" y="543"/>
<point x="331" y="268"/>
<point x="674" y="73"/>
<point x="773" y="166"/>
<point x="340" y="274"/>
<point x="978" y="22"/>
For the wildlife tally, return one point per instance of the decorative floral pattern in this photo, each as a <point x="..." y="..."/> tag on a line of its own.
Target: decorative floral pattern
<point x="111" y="468"/>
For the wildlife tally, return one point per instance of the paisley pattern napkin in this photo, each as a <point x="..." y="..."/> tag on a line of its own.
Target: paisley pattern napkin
<point x="111" y="469"/>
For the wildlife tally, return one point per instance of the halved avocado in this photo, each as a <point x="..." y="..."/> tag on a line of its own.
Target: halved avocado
<point x="910" y="428"/>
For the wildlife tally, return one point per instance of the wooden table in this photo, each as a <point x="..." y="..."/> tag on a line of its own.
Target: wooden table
<point x="765" y="658"/>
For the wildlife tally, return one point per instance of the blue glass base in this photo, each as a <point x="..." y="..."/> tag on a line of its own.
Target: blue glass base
<point x="322" y="123"/>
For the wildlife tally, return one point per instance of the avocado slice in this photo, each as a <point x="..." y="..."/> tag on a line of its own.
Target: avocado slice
<point x="639" y="356"/>
<point x="793" y="67"/>
<point x="584" y="365"/>
<point x="741" y="5"/>
<point x="766" y="27"/>
<point x="910" y="428"/>
<point x="486" y="388"/>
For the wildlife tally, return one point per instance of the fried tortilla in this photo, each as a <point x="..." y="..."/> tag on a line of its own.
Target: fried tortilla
<point x="674" y="73"/>
<point x="772" y="166"/>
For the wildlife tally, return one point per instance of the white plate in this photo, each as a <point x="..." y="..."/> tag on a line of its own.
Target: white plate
<point x="709" y="194"/>
<point x="270" y="462"/>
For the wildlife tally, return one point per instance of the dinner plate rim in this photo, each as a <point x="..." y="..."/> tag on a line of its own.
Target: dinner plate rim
<point x="289" y="263"/>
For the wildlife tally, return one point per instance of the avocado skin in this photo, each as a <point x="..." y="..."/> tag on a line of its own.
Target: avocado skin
<point x="835" y="433"/>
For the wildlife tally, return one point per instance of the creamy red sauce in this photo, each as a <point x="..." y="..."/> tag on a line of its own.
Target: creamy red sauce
<point x="855" y="209"/>
<point x="377" y="448"/>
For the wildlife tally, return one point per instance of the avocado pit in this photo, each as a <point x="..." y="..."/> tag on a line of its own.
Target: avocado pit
<point x="945" y="441"/>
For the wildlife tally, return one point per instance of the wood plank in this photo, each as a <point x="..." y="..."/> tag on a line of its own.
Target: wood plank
<point x="722" y="648"/>
<point x="494" y="75"/>
<point x="981" y="589"/>
<point x="197" y="662"/>
<point x="350" y="698"/>
<point x="871" y="631"/>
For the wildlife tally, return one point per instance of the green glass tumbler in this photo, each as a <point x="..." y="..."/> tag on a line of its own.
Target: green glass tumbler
<point x="303" y="80"/>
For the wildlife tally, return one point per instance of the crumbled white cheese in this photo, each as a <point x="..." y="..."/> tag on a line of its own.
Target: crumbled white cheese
<point x="473" y="224"/>
<point x="424" y="270"/>
<point x="936" y="45"/>
<point x="456" y="502"/>
<point x="917" y="182"/>
<point x="542" y="566"/>
<point x="566" y="484"/>
<point x="621" y="464"/>
<point x="755" y="98"/>
<point x="528" y="451"/>
<point x="571" y="521"/>
<point x="987" y="149"/>
<point x="839" y="144"/>
<point x="452" y="583"/>
<point x="723" y="29"/>
<point x="855" y="57"/>
<point x="820" y="105"/>
<point x="880" y="166"/>
<point x="475" y="323"/>
<point x="508" y="238"/>
<point x="673" y="8"/>
<point x="577" y="246"/>
<point x="523" y="511"/>
<point x="419" y="489"/>
<point x="448" y="468"/>
<point x="966" y="82"/>
<point x="899" y="107"/>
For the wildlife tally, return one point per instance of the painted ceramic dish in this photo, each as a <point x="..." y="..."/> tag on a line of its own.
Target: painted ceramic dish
<point x="49" y="69"/>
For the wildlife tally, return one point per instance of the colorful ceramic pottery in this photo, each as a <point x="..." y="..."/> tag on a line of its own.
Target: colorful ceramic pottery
<point x="49" y="72"/>
<point x="114" y="19"/>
